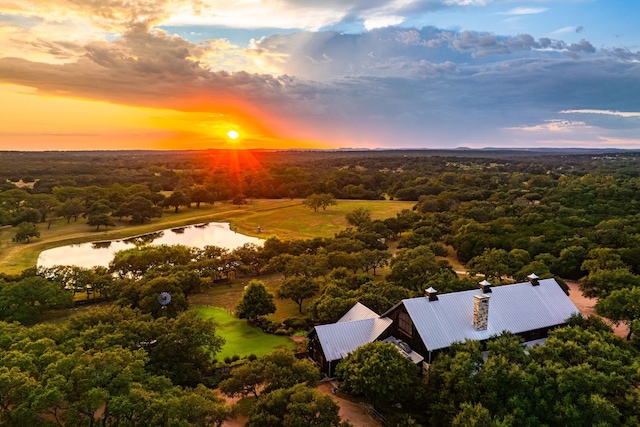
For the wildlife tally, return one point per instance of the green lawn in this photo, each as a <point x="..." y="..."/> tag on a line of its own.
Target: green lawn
<point x="242" y="339"/>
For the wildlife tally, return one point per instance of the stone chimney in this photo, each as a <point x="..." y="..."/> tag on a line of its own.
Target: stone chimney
<point x="533" y="278"/>
<point x="485" y="286"/>
<point x="481" y="312"/>
<point x="432" y="294"/>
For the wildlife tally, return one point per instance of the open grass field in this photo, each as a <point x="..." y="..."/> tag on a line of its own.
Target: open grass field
<point x="242" y="339"/>
<point x="287" y="219"/>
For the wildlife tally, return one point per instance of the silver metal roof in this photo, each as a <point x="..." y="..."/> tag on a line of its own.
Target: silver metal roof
<point x="358" y="312"/>
<point x="516" y="308"/>
<point x="403" y="347"/>
<point x="340" y="339"/>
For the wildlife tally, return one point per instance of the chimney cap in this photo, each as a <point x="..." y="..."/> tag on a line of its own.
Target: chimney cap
<point x="485" y="286"/>
<point x="533" y="276"/>
<point x="430" y="290"/>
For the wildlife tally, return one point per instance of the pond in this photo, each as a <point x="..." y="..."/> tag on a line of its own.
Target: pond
<point x="93" y="254"/>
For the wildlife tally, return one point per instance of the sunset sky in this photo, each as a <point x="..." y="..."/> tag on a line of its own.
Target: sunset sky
<point x="181" y="74"/>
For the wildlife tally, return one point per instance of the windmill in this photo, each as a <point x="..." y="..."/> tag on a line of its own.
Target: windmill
<point x="164" y="298"/>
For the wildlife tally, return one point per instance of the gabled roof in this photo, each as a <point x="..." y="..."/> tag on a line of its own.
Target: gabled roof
<point x="358" y="312"/>
<point x="340" y="339"/>
<point x="515" y="308"/>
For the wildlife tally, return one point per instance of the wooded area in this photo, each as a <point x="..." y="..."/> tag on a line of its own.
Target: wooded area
<point x="502" y="214"/>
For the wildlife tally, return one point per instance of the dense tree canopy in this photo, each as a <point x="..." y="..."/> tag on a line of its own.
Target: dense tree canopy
<point x="108" y="367"/>
<point x="278" y="370"/>
<point x="622" y="305"/>
<point x="380" y="373"/>
<point x="293" y="407"/>
<point x="22" y="300"/>
<point x="578" y="377"/>
<point x="412" y="267"/>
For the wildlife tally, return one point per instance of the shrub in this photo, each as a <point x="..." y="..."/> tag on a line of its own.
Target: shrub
<point x="239" y="200"/>
<point x="296" y="323"/>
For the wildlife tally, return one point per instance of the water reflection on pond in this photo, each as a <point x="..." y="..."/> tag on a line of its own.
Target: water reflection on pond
<point x="101" y="253"/>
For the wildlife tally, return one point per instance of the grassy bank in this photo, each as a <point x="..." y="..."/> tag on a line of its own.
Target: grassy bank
<point x="287" y="219"/>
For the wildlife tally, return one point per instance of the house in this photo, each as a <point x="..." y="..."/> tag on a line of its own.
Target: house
<point x="329" y="344"/>
<point x="430" y="324"/>
<point x="422" y="327"/>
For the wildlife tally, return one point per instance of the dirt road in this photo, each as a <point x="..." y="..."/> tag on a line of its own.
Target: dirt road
<point x="349" y="410"/>
<point x="586" y="306"/>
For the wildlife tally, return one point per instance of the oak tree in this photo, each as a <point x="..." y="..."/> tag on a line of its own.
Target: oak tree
<point x="256" y="301"/>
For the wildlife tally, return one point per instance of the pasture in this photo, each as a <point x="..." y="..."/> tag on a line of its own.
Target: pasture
<point x="287" y="219"/>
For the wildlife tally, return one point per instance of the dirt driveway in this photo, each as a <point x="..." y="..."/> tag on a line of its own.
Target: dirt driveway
<point x="349" y="410"/>
<point x="586" y="306"/>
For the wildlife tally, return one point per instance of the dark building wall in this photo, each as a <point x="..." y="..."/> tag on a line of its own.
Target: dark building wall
<point x="537" y="334"/>
<point x="404" y="331"/>
<point x="316" y="353"/>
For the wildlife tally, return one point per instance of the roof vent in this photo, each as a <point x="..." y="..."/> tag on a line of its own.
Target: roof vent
<point x="533" y="278"/>
<point x="485" y="286"/>
<point x="404" y="346"/>
<point x="432" y="294"/>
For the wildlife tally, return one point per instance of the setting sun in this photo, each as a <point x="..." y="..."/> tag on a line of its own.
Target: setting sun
<point x="232" y="134"/>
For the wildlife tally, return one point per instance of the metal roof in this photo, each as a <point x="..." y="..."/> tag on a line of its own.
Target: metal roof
<point x="516" y="308"/>
<point x="340" y="339"/>
<point x="404" y="349"/>
<point x="358" y="312"/>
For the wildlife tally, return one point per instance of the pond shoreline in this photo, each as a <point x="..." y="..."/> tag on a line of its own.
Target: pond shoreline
<point x="101" y="252"/>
